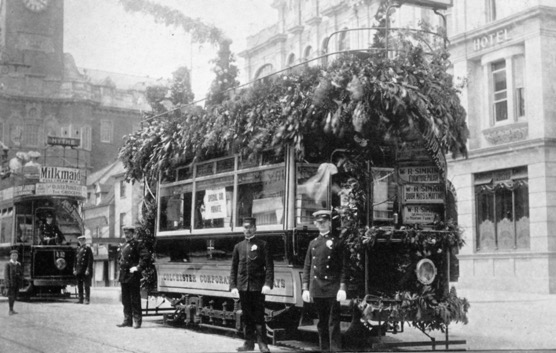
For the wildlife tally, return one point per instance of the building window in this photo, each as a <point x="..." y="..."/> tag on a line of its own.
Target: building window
<point x="30" y="135"/>
<point x="502" y="210"/>
<point x="519" y="86"/>
<point x="506" y="85"/>
<point x="86" y="138"/>
<point x="264" y="70"/>
<point x="106" y="129"/>
<point x="308" y="53"/>
<point x="343" y="40"/>
<point x="122" y="189"/>
<point x="122" y="222"/>
<point x="500" y="90"/>
<point x="490" y="6"/>
<point x="291" y="59"/>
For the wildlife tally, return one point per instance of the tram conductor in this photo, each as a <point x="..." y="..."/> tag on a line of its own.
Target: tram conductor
<point x="132" y="260"/>
<point x="323" y="281"/>
<point x="49" y="233"/>
<point x="251" y="278"/>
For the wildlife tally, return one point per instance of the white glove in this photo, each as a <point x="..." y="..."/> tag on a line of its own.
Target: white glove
<point x="341" y="295"/>
<point x="235" y="293"/>
<point x="306" y="296"/>
<point x="266" y="290"/>
<point x="133" y="269"/>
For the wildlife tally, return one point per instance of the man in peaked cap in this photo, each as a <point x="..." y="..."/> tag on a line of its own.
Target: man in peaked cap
<point x="133" y="259"/>
<point x="13" y="274"/>
<point x="323" y="281"/>
<point x="49" y="233"/>
<point x="251" y="278"/>
<point x="83" y="268"/>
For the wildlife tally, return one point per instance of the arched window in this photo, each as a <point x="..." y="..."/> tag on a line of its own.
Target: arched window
<point x="263" y="71"/>
<point x="291" y="59"/>
<point x="308" y="53"/>
<point x="343" y="40"/>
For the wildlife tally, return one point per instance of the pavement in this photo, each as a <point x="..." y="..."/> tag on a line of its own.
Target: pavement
<point x="498" y="320"/>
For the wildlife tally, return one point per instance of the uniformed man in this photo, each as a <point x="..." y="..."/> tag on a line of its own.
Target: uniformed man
<point x="324" y="278"/>
<point x="49" y="233"/>
<point x="251" y="278"/>
<point x="13" y="274"/>
<point x="83" y="268"/>
<point x="133" y="257"/>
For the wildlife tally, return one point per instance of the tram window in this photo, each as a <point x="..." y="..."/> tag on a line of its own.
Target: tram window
<point x="25" y="229"/>
<point x="312" y="192"/>
<point x="213" y="207"/>
<point x="175" y="211"/>
<point x="261" y="195"/>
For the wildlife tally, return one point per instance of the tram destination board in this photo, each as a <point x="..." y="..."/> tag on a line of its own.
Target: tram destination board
<point x="63" y="141"/>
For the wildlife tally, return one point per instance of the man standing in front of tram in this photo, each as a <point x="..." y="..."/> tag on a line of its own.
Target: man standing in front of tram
<point x="251" y="278"/>
<point x="324" y="278"/>
<point x="133" y="257"/>
<point x="83" y="268"/>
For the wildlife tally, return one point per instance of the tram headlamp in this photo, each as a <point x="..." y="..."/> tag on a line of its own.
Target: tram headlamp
<point x="425" y="271"/>
<point x="61" y="263"/>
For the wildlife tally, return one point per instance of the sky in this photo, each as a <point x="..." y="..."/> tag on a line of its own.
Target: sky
<point x="101" y="35"/>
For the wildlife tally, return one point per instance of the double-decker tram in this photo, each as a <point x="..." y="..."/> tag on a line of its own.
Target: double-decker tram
<point x="40" y="216"/>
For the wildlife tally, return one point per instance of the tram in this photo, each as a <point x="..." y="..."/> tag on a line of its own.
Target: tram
<point x="366" y="137"/>
<point x="30" y="192"/>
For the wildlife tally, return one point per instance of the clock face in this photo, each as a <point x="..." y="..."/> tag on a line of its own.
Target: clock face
<point x="36" y="5"/>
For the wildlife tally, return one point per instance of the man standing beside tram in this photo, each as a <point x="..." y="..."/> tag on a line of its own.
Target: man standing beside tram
<point x="324" y="281"/>
<point x="133" y="259"/>
<point x="251" y="278"/>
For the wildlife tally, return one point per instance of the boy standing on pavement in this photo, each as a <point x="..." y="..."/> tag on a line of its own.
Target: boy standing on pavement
<point x="133" y="257"/>
<point x="324" y="279"/>
<point x="83" y="269"/>
<point x="13" y="274"/>
<point x="251" y="278"/>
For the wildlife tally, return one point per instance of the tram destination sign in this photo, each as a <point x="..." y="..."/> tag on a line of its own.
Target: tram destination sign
<point x="423" y="193"/>
<point x="63" y="141"/>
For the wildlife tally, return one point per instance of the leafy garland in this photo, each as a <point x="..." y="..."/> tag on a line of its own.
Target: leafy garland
<point x="200" y="32"/>
<point x="359" y="103"/>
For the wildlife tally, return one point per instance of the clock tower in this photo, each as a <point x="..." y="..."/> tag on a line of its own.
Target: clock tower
<point x="32" y="37"/>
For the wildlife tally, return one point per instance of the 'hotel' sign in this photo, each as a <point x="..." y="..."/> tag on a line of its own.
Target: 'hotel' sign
<point x="491" y="39"/>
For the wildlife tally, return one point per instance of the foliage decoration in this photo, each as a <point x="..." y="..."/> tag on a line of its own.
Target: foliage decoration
<point x="200" y="31"/>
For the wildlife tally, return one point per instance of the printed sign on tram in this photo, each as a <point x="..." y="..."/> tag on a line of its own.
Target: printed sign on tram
<point x="419" y="175"/>
<point x="423" y="193"/>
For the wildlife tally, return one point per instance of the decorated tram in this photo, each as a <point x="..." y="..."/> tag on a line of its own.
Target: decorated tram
<point x="40" y="216"/>
<point x="364" y="135"/>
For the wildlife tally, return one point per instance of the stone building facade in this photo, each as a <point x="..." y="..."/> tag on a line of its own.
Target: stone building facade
<point x="503" y="60"/>
<point x="43" y="93"/>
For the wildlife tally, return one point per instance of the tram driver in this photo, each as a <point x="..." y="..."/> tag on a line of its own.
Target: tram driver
<point x="49" y="233"/>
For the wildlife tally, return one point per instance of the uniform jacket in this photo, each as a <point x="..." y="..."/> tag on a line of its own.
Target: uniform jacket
<point x="13" y="274"/>
<point x="83" y="260"/>
<point x="252" y="266"/>
<point x="324" y="271"/>
<point x="132" y="253"/>
<point x="51" y="231"/>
